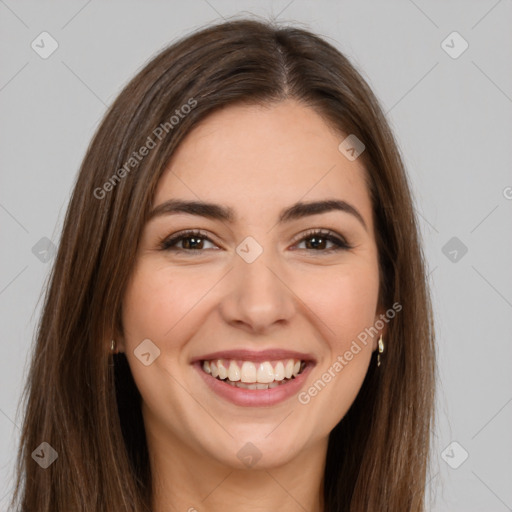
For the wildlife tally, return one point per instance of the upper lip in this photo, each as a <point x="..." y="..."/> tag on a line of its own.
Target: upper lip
<point x="257" y="356"/>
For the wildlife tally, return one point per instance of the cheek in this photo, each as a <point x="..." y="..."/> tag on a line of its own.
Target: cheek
<point x="341" y="301"/>
<point x="156" y="302"/>
<point x="345" y="300"/>
<point x="141" y="307"/>
<point x="155" y="307"/>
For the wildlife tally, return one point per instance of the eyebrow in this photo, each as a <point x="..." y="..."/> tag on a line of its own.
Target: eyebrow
<point x="226" y="214"/>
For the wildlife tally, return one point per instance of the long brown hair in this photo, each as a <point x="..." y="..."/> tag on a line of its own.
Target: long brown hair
<point x="82" y="400"/>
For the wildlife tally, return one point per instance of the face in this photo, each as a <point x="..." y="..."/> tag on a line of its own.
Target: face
<point x="260" y="291"/>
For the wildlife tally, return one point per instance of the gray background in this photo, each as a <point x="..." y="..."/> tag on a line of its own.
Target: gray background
<point x="452" y="118"/>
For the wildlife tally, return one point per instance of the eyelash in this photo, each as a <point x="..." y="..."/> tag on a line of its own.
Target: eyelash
<point x="340" y="244"/>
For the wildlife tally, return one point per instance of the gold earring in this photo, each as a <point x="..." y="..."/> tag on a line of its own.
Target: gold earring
<point x="381" y="349"/>
<point x="113" y="346"/>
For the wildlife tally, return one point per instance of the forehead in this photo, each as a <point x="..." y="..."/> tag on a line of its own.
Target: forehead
<point x="261" y="158"/>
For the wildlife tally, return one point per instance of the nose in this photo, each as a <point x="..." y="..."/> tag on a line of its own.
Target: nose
<point x="258" y="298"/>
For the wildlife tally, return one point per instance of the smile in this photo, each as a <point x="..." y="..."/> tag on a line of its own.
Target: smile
<point x="242" y="386"/>
<point x="254" y="375"/>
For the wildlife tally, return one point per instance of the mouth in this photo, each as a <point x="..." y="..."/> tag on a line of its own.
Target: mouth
<point x="254" y="375"/>
<point x="254" y="379"/>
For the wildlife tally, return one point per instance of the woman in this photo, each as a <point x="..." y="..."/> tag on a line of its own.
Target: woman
<point x="238" y="317"/>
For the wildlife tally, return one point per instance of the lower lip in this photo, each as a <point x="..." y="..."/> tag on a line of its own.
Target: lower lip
<point x="255" y="397"/>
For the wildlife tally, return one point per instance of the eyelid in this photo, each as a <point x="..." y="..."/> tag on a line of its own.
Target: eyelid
<point x="332" y="236"/>
<point x="339" y="241"/>
<point x="165" y="243"/>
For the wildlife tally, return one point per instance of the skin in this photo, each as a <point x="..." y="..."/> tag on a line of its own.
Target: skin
<point x="257" y="160"/>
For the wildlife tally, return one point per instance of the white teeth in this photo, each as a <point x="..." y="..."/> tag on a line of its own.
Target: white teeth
<point x="223" y="372"/>
<point x="233" y="372"/>
<point x="257" y="385"/>
<point x="279" y="371"/>
<point x="288" y="369"/>
<point x="248" y="372"/>
<point x="263" y="373"/>
<point x="244" y="385"/>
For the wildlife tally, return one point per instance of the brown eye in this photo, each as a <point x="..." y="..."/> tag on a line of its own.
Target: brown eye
<point x="194" y="242"/>
<point x="191" y="241"/>
<point x="317" y="240"/>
